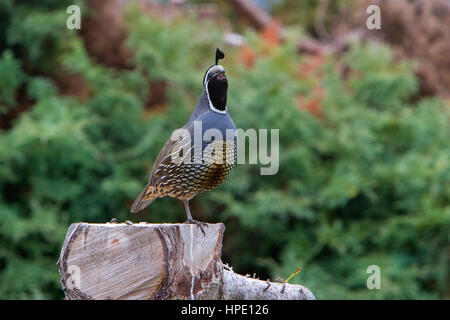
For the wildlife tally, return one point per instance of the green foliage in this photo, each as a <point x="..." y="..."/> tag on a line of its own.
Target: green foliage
<point x="11" y="77"/>
<point x="364" y="182"/>
<point x="309" y="13"/>
<point x="164" y="53"/>
<point x="367" y="183"/>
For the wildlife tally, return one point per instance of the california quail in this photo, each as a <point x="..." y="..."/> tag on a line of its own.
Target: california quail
<point x="206" y="167"/>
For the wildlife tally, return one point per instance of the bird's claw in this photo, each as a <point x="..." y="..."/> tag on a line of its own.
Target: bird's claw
<point x="199" y="224"/>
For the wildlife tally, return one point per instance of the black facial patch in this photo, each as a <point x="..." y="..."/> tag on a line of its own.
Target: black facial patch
<point x="217" y="90"/>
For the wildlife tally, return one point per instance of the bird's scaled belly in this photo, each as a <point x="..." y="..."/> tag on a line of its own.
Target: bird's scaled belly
<point x="204" y="173"/>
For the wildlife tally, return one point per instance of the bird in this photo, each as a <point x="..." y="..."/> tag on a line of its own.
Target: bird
<point x="184" y="168"/>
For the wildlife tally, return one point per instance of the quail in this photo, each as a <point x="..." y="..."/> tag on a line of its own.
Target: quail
<point x="186" y="167"/>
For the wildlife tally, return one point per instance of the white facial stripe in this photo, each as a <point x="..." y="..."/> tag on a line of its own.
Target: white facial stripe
<point x="210" y="103"/>
<point x="220" y="69"/>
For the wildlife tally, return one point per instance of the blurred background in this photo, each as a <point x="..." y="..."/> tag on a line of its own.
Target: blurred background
<point x="363" y="114"/>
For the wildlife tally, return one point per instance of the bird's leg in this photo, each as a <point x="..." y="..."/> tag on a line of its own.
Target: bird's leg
<point x="190" y="219"/>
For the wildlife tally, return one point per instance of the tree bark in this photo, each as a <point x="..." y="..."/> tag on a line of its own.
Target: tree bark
<point x="156" y="261"/>
<point x="257" y="16"/>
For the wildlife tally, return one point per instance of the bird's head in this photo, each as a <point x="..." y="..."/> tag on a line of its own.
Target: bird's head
<point x="216" y="84"/>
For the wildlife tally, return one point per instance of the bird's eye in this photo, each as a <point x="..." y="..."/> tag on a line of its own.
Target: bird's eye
<point x="212" y="72"/>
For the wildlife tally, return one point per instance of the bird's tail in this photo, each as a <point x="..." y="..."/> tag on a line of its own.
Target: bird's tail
<point x="141" y="202"/>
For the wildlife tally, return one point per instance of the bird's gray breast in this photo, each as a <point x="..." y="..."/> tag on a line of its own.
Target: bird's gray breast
<point x="207" y="133"/>
<point x="211" y="126"/>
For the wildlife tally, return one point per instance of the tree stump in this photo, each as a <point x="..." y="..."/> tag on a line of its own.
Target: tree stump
<point x="156" y="261"/>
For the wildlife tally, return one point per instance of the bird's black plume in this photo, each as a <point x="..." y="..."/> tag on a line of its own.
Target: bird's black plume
<point x="219" y="55"/>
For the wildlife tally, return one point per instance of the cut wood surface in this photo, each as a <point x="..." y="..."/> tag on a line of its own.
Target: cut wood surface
<point x="156" y="261"/>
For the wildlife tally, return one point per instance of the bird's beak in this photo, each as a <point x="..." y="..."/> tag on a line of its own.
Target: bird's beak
<point x="221" y="76"/>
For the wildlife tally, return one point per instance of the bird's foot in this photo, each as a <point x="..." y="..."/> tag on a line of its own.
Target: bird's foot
<point x="198" y="223"/>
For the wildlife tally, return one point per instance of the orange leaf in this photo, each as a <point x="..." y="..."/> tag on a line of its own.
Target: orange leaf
<point x="272" y="33"/>
<point x="247" y="55"/>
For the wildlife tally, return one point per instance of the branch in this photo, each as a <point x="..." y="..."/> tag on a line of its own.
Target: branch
<point x="257" y="17"/>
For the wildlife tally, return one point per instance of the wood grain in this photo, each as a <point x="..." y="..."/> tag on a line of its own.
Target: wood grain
<point x="156" y="261"/>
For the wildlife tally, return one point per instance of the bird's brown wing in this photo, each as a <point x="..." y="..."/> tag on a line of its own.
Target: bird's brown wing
<point x="162" y="164"/>
<point x="165" y="164"/>
<point x="167" y="156"/>
<point x="147" y="195"/>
